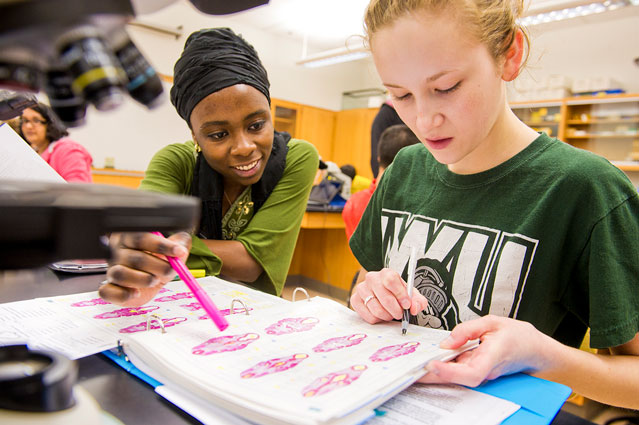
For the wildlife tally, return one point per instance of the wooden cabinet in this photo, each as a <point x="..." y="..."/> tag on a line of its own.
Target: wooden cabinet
<point x="322" y="252"/>
<point x="342" y="137"/>
<point x="605" y="125"/>
<point x="352" y="141"/>
<point x="318" y="127"/>
<point x="286" y="116"/>
<point x="315" y="125"/>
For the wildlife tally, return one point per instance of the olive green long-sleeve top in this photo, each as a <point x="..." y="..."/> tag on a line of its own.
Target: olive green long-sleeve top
<point x="272" y="232"/>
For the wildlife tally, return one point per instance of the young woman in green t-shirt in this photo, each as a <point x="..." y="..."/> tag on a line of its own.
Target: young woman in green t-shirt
<point x="517" y="232"/>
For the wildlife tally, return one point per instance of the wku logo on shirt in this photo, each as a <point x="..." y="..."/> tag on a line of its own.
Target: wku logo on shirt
<point x="465" y="271"/>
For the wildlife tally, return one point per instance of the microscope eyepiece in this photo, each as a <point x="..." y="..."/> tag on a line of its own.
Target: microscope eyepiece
<point x="96" y="73"/>
<point x="143" y="83"/>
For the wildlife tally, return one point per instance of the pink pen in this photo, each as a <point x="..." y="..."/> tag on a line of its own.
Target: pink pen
<point x="198" y="292"/>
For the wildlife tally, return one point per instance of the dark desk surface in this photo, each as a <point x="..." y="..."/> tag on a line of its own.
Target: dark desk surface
<point x="119" y="393"/>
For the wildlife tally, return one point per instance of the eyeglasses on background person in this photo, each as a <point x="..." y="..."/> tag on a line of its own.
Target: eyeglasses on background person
<point x="35" y="121"/>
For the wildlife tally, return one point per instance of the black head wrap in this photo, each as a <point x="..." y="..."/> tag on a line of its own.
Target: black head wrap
<point x="214" y="59"/>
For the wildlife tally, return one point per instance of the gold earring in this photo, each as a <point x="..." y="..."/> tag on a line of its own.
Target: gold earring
<point x="198" y="149"/>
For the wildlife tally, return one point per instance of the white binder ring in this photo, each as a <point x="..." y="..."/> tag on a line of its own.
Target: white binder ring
<point x="237" y="300"/>
<point x="308" y="297"/>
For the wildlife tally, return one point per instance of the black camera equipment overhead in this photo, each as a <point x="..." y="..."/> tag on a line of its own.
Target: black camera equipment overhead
<point x="76" y="53"/>
<point x="70" y="50"/>
<point x="79" y="53"/>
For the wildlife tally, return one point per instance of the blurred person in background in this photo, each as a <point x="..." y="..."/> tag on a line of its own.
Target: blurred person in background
<point x="386" y="117"/>
<point x="357" y="182"/>
<point x="391" y="141"/>
<point x="46" y="134"/>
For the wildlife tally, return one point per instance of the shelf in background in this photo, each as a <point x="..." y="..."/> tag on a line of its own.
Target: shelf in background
<point x="603" y="121"/>
<point x="587" y="100"/>
<point x="536" y="104"/>
<point x="540" y="123"/>
<point x="126" y="178"/>
<point x="606" y="125"/>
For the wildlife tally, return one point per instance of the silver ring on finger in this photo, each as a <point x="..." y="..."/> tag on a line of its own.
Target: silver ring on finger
<point x="367" y="299"/>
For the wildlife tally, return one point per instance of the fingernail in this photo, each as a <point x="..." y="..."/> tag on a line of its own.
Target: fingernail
<point x="179" y="251"/>
<point x="134" y="294"/>
<point x="405" y="303"/>
<point x="446" y="342"/>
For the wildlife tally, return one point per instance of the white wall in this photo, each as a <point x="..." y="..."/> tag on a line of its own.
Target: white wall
<point x="131" y="134"/>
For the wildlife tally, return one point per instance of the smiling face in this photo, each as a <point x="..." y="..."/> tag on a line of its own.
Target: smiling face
<point x="34" y="129"/>
<point x="446" y="87"/>
<point x="233" y="127"/>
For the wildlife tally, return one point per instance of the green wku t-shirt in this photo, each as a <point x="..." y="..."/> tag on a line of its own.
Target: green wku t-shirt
<point x="551" y="237"/>
<point x="271" y="233"/>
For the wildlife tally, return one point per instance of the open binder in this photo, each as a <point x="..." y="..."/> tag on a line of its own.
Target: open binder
<point x="312" y="361"/>
<point x="308" y="362"/>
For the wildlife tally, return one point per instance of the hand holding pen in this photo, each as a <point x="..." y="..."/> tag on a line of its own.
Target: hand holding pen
<point x="199" y="293"/>
<point x="138" y="268"/>
<point x="381" y="296"/>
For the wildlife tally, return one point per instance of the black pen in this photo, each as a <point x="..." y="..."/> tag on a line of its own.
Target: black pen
<point x="412" y="265"/>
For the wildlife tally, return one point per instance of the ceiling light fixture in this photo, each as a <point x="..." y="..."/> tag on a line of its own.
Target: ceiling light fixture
<point x="333" y="56"/>
<point x="582" y="8"/>
<point x="330" y="57"/>
<point x="351" y="52"/>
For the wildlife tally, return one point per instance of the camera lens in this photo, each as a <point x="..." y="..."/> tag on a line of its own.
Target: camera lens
<point x="70" y="107"/>
<point x="143" y="84"/>
<point x="94" y="70"/>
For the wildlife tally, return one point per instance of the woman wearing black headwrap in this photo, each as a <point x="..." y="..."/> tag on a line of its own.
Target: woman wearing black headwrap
<point x="253" y="181"/>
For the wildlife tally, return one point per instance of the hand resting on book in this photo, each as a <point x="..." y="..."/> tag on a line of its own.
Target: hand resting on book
<point x="138" y="268"/>
<point x="507" y="346"/>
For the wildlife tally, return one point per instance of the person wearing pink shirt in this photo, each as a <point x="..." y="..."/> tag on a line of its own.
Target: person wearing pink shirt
<point x="42" y="129"/>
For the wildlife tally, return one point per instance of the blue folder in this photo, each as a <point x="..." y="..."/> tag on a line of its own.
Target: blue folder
<point x="540" y="400"/>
